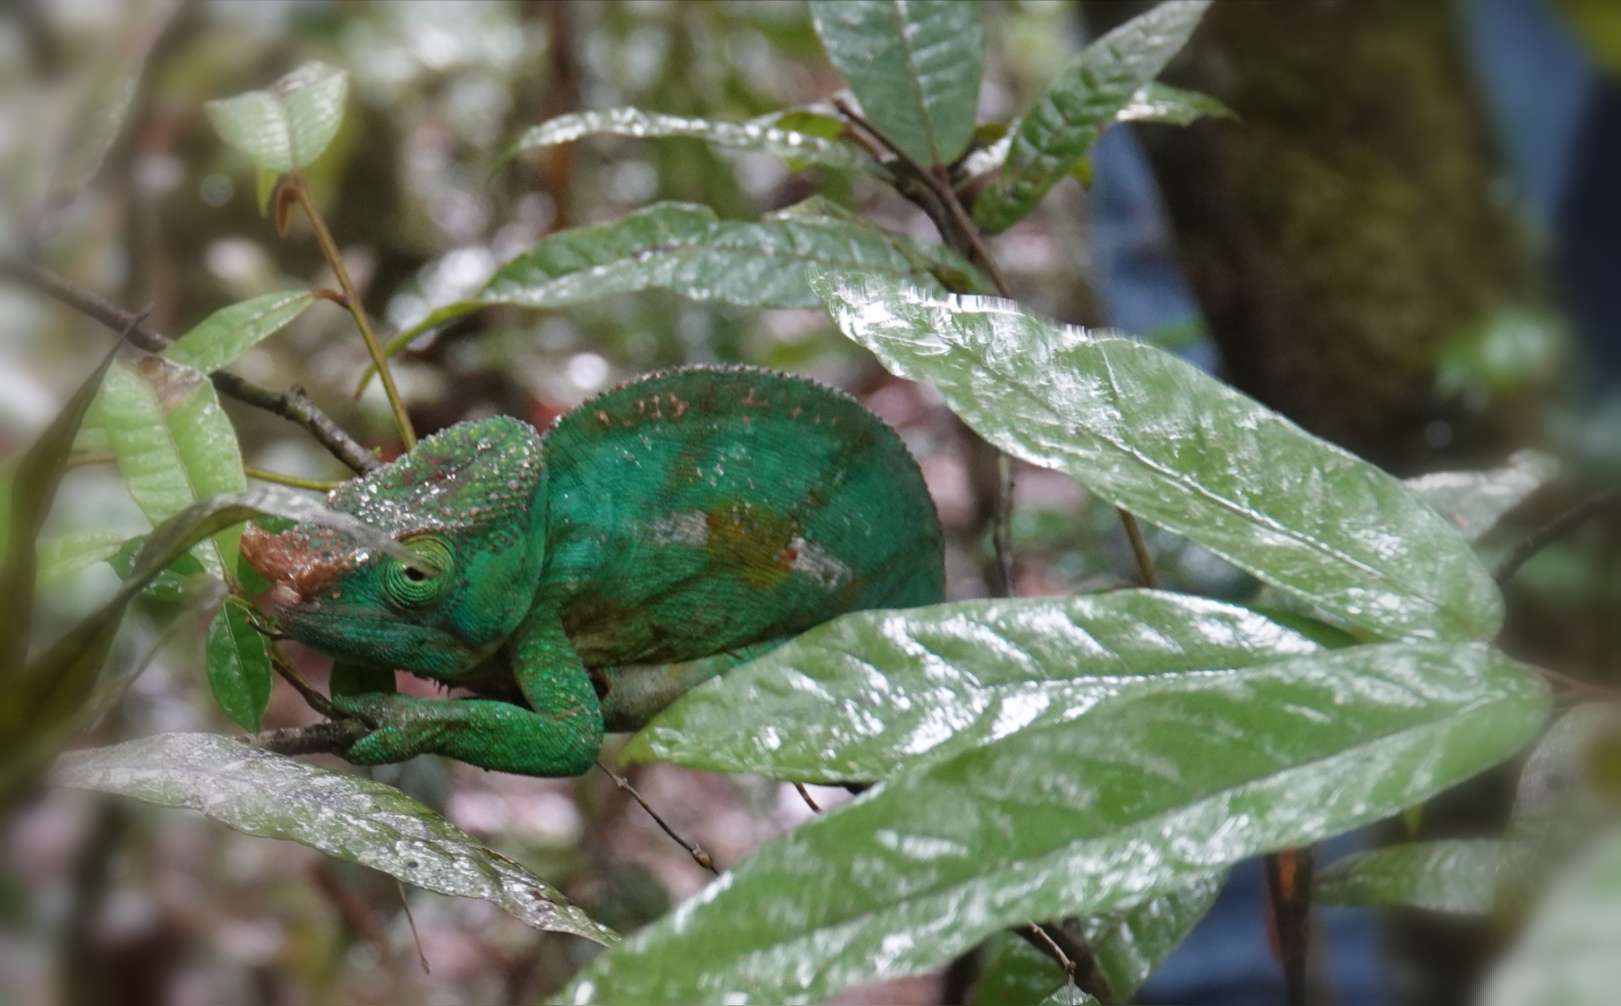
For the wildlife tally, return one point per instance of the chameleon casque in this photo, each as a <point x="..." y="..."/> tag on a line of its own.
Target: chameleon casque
<point x="662" y="532"/>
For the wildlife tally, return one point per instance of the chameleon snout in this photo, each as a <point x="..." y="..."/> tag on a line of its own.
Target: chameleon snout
<point x="297" y="566"/>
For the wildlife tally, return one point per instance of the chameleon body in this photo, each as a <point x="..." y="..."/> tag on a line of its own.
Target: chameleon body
<point x="657" y="535"/>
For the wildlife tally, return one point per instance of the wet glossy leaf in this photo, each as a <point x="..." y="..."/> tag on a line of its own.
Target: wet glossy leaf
<point x="344" y="816"/>
<point x="1475" y="501"/>
<point x="174" y="444"/>
<point x="288" y="125"/>
<point x="238" y="665"/>
<point x="231" y="331"/>
<point x="1157" y="436"/>
<point x="171" y="585"/>
<point x="759" y="137"/>
<point x="861" y="695"/>
<point x="687" y="250"/>
<point x="1567" y="954"/>
<point x="1129" y="801"/>
<point x="1085" y="96"/>
<point x="1171" y="106"/>
<point x="66" y="554"/>
<point x="32" y="489"/>
<point x="914" y="65"/>
<point x="1455" y="875"/>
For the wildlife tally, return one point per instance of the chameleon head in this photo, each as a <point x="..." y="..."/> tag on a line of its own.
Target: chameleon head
<point x="469" y="501"/>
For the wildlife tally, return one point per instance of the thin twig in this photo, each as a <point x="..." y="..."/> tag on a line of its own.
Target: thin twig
<point x="1553" y="530"/>
<point x="294" y="405"/>
<point x="694" y="850"/>
<point x="316" y="701"/>
<point x="804" y="794"/>
<point x="1288" y="885"/>
<point x="288" y="480"/>
<point x="411" y="921"/>
<point x="1139" y="548"/>
<point x="357" y="309"/>
<point x="1072" y="954"/>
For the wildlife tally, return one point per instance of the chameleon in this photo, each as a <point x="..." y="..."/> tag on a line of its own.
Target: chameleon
<point x="577" y="582"/>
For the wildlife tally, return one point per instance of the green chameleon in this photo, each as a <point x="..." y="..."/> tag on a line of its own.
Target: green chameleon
<point x="662" y="532"/>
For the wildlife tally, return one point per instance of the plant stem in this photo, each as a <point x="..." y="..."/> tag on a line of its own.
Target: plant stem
<point x="357" y="310"/>
<point x="288" y="480"/>
<point x="1555" y="529"/>
<point x="696" y="851"/>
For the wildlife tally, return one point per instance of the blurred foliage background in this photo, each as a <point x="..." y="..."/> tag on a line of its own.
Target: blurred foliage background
<point x="1358" y="248"/>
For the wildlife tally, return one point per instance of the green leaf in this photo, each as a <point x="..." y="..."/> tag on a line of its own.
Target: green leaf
<point x="914" y="65"/>
<point x="1171" y="106"/>
<point x="758" y="136"/>
<point x="1567" y="953"/>
<point x="238" y="664"/>
<point x="687" y="250"/>
<point x="231" y="331"/>
<point x="346" y="817"/>
<point x="98" y="116"/>
<point x="1015" y="973"/>
<point x="171" y="585"/>
<point x="873" y="690"/>
<point x="34" y="481"/>
<point x="288" y="125"/>
<point x="66" y="554"/>
<point x="1085" y="96"/>
<point x="174" y="444"/>
<point x="1475" y="501"/>
<point x="1155" y="435"/>
<point x="1132" y="800"/>
<point x="1454" y="875"/>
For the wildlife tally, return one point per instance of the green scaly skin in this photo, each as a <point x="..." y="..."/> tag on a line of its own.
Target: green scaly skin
<point x="661" y="533"/>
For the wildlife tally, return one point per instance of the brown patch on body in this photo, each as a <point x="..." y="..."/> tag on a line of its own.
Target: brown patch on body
<point x="751" y="543"/>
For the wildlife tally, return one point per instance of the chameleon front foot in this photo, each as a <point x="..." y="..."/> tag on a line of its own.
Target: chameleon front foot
<point x="491" y="734"/>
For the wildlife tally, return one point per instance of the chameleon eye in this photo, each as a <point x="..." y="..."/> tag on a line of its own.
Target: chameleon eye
<point x="412" y="585"/>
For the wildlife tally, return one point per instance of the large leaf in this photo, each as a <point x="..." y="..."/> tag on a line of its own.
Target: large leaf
<point x="231" y="331"/>
<point x="873" y="690"/>
<point x="760" y="137"/>
<point x="173" y="442"/>
<point x="238" y="665"/>
<point x="288" y="125"/>
<point x="1157" y="436"/>
<point x="1451" y="875"/>
<point x="32" y="489"/>
<point x="1568" y="953"/>
<point x="345" y="816"/>
<point x="1475" y="501"/>
<point x="1085" y="96"/>
<point x="687" y="250"/>
<point x="913" y="64"/>
<point x="1137" y="797"/>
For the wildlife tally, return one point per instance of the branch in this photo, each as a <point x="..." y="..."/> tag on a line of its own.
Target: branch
<point x="1555" y="529"/>
<point x="329" y="737"/>
<point x="1072" y="955"/>
<point x="293" y="405"/>
<point x="694" y="850"/>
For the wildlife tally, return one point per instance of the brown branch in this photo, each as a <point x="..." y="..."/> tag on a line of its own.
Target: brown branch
<point x="1072" y="954"/>
<point x="694" y="850"/>
<point x="1288" y="887"/>
<point x="329" y="737"/>
<point x="293" y="405"/>
<point x="1553" y="530"/>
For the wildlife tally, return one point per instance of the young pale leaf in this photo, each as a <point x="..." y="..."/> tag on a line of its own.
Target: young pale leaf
<point x="288" y="125"/>
<point x="759" y="137"/>
<point x="32" y="489"/>
<point x="231" y="331"/>
<point x="238" y="665"/>
<point x="687" y="250"/>
<point x="1567" y="954"/>
<point x="1086" y="96"/>
<point x="1475" y="501"/>
<point x="1157" y="436"/>
<point x="914" y="65"/>
<point x="66" y="554"/>
<point x="873" y="690"/>
<point x="1455" y="875"/>
<point x="174" y="444"/>
<point x="1130" y="801"/>
<point x="344" y="816"/>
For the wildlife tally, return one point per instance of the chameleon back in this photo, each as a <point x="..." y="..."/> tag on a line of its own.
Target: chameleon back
<point x="701" y="510"/>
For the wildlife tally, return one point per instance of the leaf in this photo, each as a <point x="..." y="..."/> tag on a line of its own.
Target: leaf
<point x="1086" y="95"/>
<point x="1171" y="106"/>
<point x="1458" y="876"/>
<point x="1567" y="953"/>
<point x="231" y="331"/>
<point x="346" y="817"/>
<point x="34" y="482"/>
<point x="687" y="250"/>
<point x="173" y="442"/>
<point x="238" y="665"/>
<point x="66" y="554"/>
<point x="287" y="126"/>
<point x="1155" y="435"/>
<point x="1130" y="801"/>
<point x="759" y="137"/>
<point x="1475" y="501"/>
<point x="873" y="690"/>
<point x="98" y="116"/>
<point x="171" y="585"/>
<point x="914" y="65"/>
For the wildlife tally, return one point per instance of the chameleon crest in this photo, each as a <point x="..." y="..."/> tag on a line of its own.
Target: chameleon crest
<point x="660" y="533"/>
